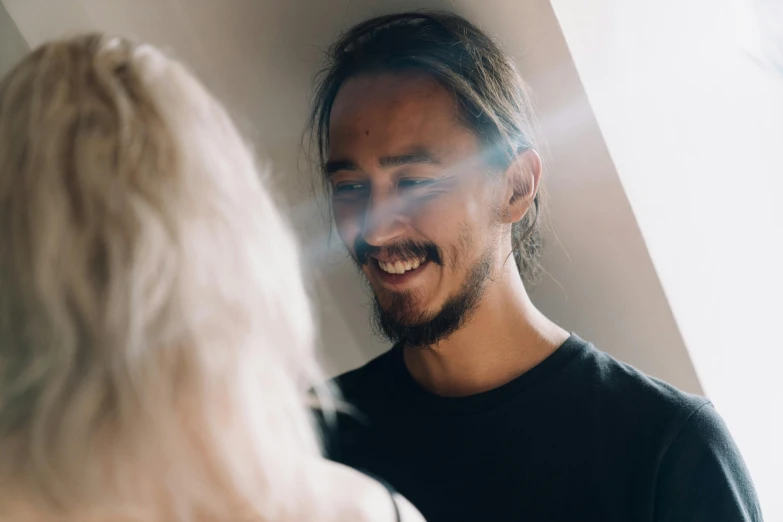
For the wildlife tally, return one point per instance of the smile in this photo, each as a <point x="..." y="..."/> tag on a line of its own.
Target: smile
<point x="400" y="267"/>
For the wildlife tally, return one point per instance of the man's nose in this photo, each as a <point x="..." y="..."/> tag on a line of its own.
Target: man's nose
<point x="384" y="220"/>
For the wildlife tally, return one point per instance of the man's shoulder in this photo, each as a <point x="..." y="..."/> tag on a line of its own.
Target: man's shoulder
<point x="684" y="435"/>
<point x="627" y="391"/>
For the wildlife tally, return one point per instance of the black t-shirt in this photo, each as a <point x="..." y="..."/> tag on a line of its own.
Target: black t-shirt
<point x="580" y="437"/>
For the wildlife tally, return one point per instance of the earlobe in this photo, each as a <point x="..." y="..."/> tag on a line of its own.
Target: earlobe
<point x="523" y="176"/>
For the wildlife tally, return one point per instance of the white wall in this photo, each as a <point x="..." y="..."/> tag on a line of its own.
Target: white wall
<point x="12" y="45"/>
<point x="693" y="119"/>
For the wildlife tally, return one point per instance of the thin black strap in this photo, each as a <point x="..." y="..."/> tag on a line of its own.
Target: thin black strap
<point x="391" y="491"/>
<point x="397" y="516"/>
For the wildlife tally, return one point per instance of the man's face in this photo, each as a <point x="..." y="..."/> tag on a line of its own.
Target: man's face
<point x="413" y="202"/>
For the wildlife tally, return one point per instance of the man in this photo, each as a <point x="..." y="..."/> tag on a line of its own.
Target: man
<point x="484" y="409"/>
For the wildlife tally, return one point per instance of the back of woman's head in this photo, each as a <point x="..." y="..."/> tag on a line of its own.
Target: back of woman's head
<point x="155" y="338"/>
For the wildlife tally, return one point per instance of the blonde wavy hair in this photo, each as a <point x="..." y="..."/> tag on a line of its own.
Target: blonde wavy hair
<point x="155" y="338"/>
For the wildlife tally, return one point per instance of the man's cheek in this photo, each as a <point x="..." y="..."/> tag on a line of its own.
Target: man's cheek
<point x="348" y="230"/>
<point x="347" y="213"/>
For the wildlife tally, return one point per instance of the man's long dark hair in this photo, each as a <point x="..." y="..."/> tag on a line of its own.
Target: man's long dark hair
<point x="493" y="99"/>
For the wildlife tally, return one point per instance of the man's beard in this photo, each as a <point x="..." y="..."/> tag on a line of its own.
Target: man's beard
<point x="400" y="322"/>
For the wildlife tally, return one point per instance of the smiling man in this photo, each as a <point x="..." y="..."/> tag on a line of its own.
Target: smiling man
<point x="484" y="409"/>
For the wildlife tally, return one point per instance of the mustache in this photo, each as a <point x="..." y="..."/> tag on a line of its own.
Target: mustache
<point x="406" y="250"/>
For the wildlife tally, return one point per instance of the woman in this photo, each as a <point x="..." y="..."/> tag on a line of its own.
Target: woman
<point x="155" y="336"/>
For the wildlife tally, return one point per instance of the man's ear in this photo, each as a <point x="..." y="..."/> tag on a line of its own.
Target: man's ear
<point x="522" y="179"/>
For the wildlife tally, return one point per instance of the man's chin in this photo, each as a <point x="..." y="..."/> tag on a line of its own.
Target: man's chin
<point x="408" y="321"/>
<point x="404" y="310"/>
<point x="408" y="317"/>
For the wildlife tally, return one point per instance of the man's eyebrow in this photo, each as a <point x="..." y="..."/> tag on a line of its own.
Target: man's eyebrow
<point x="333" y="166"/>
<point x="414" y="158"/>
<point x="408" y="159"/>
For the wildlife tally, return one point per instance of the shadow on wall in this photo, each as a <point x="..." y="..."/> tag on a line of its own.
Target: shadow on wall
<point x="12" y="45"/>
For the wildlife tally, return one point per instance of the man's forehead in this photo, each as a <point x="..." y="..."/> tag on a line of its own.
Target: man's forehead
<point x="408" y="96"/>
<point x="387" y="115"/>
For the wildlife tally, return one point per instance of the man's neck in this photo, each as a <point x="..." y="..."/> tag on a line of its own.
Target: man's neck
<point x="504" y="338"/>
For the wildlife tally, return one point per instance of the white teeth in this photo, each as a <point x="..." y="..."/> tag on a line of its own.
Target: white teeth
<point x="400" y="267"/>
